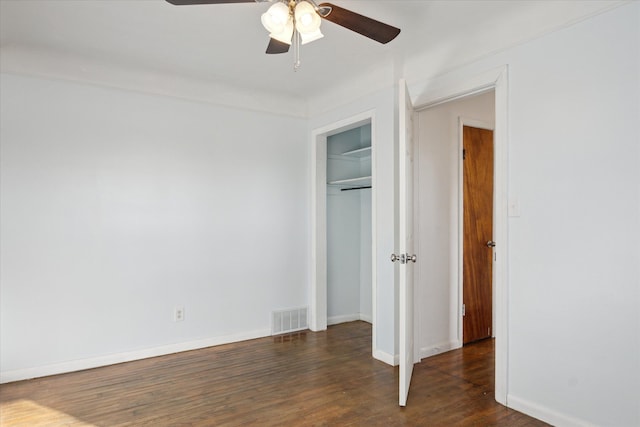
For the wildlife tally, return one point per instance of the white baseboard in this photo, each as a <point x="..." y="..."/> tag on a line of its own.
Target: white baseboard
<point x="544" y="414"/>
<point x="96" y="362"/>
<point x="386" y="357"/>
<point x="335" y="320"/>
<point x="439" y="348"/>
<point x="424" y="352"/>
<point x="366" y="318"/>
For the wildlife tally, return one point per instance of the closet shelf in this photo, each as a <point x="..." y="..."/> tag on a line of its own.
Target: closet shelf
<point x="362" y="180"/>
<point x="360" y="152"/>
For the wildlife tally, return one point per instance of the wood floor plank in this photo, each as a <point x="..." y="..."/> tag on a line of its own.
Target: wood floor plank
<point x="325" y="378"/>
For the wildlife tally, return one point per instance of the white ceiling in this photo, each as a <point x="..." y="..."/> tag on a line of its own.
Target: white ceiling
<point x="226" y="43"/>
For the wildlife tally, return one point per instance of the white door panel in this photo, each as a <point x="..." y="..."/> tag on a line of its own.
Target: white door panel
<point x="406" y="249"/>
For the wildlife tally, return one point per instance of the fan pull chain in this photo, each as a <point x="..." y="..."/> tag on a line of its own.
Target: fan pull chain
<point x="296" y="50"/>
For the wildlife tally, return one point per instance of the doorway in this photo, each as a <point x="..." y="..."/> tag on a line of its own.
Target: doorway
<point x="440" y="223"/>
<point x="345" y="173"/>
<point x="349" y="259"/>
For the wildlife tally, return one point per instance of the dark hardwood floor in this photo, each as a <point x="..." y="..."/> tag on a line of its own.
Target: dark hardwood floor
<point x="326" y="378"/>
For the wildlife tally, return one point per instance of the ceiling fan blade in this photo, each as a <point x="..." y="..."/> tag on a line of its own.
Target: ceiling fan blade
<point x="189" y="2"/>
<point x="375" y="30"/>
<point x="276" y="46"/>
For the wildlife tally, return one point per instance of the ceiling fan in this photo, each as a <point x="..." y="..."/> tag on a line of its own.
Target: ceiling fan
<point x="295" y="22"/>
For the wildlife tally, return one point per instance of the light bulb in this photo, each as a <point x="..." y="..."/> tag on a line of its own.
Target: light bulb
<point x="306" y="20"/>
<point x="285" y="34"/>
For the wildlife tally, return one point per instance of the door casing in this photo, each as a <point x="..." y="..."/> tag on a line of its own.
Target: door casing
<point x="451" y="89"/>
<point x="318" y="202"/>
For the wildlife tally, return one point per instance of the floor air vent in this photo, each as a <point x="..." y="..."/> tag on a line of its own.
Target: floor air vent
<point x="285" y="321"/>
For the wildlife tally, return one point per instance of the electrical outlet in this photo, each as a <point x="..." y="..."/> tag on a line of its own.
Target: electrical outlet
<point x="178" y="314"/>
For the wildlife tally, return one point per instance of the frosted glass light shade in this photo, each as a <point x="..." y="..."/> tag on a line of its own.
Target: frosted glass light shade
<point x="309" y="37"/>
<point x="285" y="35"/>
<point x="277" y="20"/>
<point x="307" y="22"/>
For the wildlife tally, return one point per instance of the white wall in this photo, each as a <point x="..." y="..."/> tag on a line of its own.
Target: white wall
<point x="366" y="259"/>
<point x="574" y="275"/>
<point x="118" y="206"/>
<point x="348" y="256"/>
<point x="366" y="264"/>
<point x="437" y="222"/>
<point x="343" y="255"/>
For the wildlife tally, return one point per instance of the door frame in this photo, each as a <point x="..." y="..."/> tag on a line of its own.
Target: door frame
<point x="457" y="316"/>
<point x="439" y="91"/>
<point x="318" y="202"/>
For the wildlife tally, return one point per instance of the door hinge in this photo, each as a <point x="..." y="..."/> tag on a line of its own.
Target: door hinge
<point x="463" y="310"/>
<point x="464" y="154"/>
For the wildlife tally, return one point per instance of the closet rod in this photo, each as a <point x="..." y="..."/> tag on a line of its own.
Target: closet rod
<point x="354" y="188"/>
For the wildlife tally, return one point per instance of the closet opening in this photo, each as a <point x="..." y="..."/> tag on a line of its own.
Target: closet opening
<point x="343" y="281"/>
<point x="349" y="260"/>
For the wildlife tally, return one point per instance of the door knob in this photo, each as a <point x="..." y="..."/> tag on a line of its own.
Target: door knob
<point x="491" y="244"/>
<point x="402" y="258"/>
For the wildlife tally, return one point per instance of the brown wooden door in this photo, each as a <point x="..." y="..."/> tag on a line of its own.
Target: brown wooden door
<point x="478" y="231"/>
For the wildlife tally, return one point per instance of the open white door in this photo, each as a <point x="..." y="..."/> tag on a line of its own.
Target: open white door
<point x="406" y="257"/>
